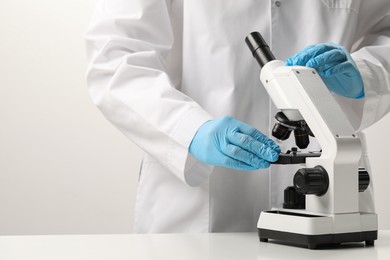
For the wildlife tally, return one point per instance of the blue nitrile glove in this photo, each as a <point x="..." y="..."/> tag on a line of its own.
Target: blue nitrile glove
<point x="335" y="66"/>
<point x="230" y="143"/>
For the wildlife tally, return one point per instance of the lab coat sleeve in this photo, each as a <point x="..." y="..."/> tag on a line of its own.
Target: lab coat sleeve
<point x="128" y="43"/>
<point x="372" y="56"/>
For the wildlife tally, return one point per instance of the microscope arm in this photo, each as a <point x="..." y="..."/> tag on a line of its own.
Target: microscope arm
<point x="300" y="94"/>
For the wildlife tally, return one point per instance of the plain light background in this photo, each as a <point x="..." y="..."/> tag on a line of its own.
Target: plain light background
<point x="63" y="168"/>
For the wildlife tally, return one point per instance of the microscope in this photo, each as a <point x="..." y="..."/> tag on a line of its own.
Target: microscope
<point x="322" y="205"/>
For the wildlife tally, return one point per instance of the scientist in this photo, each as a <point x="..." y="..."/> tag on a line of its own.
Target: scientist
<point x="176" y="77"/>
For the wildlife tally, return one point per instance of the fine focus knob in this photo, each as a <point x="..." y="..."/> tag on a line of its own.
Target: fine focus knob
<point x="364" y="179"/>
<point x="311" y="181"/>
<point x="293" y="200"/>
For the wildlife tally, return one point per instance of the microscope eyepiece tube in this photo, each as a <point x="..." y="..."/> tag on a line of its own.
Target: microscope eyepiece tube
<point x="259" y="48"/>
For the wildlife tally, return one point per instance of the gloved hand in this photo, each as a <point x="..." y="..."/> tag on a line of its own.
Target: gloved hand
<point x="335" y="66"/>
<point x="230" y="143"/>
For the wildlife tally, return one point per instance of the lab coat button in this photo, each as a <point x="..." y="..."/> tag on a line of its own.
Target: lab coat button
<point x="278" y="3"/>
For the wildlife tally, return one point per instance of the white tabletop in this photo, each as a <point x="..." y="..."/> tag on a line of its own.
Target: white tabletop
<point x="224" y="246"/>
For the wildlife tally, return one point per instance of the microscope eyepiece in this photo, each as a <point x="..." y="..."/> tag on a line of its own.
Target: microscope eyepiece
<point x="259" y="48"/>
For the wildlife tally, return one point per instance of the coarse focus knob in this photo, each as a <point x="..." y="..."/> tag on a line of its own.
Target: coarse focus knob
<point x="311" y="181"/>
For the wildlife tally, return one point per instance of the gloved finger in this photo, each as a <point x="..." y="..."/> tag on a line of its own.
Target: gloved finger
<point x="329" y="57"/>
<point x="345" y="72"/>
<point x="265" y="140"/>
<point x="320" y="70"/>
<point x="290" y="59"/>
<point x="338" y="69"/>
<point x="244" y="156"/>
<point x="301" y="58"/>
<point x="327" y="66"/>
<point x="256" y="134"/>
<point x="236" y="164"/>
<point x="253" y="146"/>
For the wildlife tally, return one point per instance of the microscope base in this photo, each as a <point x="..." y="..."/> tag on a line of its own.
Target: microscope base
<point x="313" y="241"/>
<point x="315" y="230"/>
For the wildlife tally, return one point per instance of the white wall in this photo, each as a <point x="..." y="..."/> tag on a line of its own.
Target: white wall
<point x="378" y="149"/>
<point x="63" y="168"/>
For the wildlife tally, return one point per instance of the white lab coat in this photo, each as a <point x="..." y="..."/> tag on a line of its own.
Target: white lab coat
<point x="159" y="69"/>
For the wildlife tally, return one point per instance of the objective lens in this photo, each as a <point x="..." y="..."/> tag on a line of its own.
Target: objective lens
<point x="281" y="132"/>
<point x="301" y="138"/>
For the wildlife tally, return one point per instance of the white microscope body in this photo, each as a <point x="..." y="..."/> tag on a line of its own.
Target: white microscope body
<point x="331" y="216"/>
